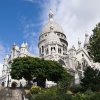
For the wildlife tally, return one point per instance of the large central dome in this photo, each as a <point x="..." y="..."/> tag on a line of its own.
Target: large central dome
<point x="57" y="27"/>
<point x="52" y="38"/>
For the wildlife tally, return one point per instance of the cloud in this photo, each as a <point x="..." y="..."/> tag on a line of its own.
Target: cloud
<point x="75" y="16"/>
<point x="31" y="37"/>
<point x="1" y="67"/>
<point x="3" y="52"/>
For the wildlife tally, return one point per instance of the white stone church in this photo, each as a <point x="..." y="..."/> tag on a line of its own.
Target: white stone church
<point x="53" y="46"/>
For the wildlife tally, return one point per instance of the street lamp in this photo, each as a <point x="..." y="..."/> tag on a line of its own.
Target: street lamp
<point x="7" y="73"/>
<point x="8" y="80"/>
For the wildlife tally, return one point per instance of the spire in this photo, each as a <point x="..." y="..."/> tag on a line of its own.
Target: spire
<point x="86" y="41"/>
<point x="26" y="44"/>
<point x="51" y="15"/>
<point x="79" y="44"/>
<point x="23" y="45"/>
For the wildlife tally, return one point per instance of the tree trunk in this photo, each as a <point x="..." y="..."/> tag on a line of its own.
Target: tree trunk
<point x="28" y="84"/>
<point x="41" y="82"/>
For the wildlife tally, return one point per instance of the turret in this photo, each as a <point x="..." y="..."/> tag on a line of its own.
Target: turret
<point x="79" y="44"/>
<point x="51" y="16"/>
<point x="23" y="48"/>
<point x="86" y="42"/>
<point x="6" y="59"/>
<point x="72" y="52"/>
<point x="5" y="65"/>
<point x="14" y="51"/>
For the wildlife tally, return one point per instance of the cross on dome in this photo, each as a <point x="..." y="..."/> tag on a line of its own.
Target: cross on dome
<point x="51" y="15"/>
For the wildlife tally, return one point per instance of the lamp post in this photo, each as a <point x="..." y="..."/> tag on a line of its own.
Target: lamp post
<point x="7" y="71"/>
<point x="8" y="80"/>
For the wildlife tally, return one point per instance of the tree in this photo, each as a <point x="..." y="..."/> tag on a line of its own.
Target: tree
<point x="94" y="44"/>
<point x="22" y="68"/>
<point x="91" y="79"/>
<point x="29" y="67"/>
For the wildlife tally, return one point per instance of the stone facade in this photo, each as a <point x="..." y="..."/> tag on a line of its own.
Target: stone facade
<point x="53" y="45"/>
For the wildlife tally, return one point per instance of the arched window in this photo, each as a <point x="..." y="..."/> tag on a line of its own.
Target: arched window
<point x="47" y="51"/>
<point x="14" y="84"/>
<point x="63" y="47"/>
<point x="79" y="65"/>
<point x="61" y="62"/>
<point x="42" y="49"/>
<point x="59" y="50"/>
<point x="84" y="64"/>
<point x="53" y="48"/>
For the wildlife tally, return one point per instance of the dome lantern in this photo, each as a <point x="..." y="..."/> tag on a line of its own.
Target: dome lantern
<point x="56" y="26"/>
<point x="51" y="15"/>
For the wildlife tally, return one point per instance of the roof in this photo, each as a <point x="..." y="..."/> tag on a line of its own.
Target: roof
<point x="52" y="37"/>
<point x="57" y="27"/>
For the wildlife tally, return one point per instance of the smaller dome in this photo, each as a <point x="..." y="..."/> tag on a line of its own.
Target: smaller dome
<point x="23" y="45"/>
<point x="17" y="48"/>
<point x="26" y="44"/>
<point x="57" y="27"/>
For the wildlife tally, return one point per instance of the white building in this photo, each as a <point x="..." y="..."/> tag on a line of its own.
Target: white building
<point x="53" y="46"/>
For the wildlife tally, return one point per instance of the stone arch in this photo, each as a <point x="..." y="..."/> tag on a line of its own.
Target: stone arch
<point x="84" y="63"/>
<point x="14" y="84"/>
<point x="61" y="62"/>
<point x="42" y="49"/>
<point x="3" y="84"/>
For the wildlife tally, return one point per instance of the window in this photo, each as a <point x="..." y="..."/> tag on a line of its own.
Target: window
<point x="59" y="50"/>
<point x="58" y="34"/>
<point x="79" y="65"/>
<point x="45" y="35"/>
<point x="61" y="35"/>
<point x="47" y="51"/>
<point x="84" y="64"/>
<point x="63" y="48"/>
<point x="52" y="48"/>
<point x="82" y="55"/>
<point x="80" y="74"/>
<point x="42" y="49"/>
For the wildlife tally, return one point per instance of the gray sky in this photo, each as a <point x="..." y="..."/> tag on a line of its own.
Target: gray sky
<point x="76" y="17"/>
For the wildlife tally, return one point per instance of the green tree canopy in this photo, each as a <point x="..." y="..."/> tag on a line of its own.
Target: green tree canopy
<point x="91" y="79"/>
<point x="29" y="67"/>
<point x="94" y="44"/>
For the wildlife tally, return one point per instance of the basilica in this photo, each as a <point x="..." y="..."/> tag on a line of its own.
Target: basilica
<point x="52" y="45"/>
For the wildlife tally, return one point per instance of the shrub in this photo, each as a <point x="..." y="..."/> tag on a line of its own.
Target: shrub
<point x="51" y="94"/>
<point x="75" y="89"/>
<point x="35" y="89"/>
<point x="95" y="96"/>
<point x="80" y="96"/>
